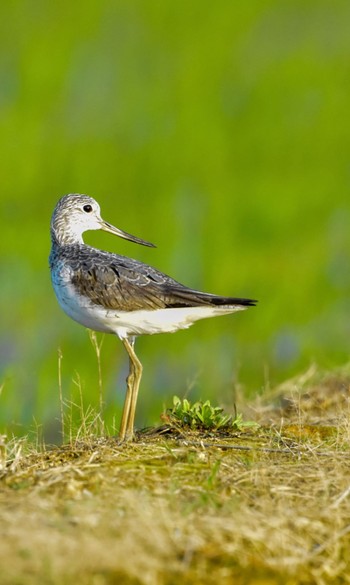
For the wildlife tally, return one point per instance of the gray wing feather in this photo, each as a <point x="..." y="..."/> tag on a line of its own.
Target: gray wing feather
<point x="121" y="283"/>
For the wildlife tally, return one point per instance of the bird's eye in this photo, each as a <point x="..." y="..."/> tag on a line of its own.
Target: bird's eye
<point x="87" y="208"/>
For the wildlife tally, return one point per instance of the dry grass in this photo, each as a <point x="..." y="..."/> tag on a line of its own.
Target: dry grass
<point x="264" y="507"/>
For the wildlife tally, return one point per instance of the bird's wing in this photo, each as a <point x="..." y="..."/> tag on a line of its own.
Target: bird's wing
<point x="124" y="284"/>
<point x="120" y="283"/>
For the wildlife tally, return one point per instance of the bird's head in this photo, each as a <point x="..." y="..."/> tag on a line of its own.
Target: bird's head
<point x="75" y="214"/>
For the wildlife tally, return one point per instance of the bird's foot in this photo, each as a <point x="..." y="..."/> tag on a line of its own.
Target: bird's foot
<point x="128" y="437"/>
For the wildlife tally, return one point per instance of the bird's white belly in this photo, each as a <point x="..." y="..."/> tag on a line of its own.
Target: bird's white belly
<point x="131" y="323"/>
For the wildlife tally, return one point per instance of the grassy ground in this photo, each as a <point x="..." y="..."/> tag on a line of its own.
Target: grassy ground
<point x="263" y="506"/>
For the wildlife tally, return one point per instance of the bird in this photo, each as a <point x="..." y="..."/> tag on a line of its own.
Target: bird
<point x="115" y="294"/>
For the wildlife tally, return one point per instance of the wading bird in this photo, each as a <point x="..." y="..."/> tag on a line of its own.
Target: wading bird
<point x="115" y="294"/>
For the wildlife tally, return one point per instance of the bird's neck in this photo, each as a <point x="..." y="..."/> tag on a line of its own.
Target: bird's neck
<point x="63" y="234"/>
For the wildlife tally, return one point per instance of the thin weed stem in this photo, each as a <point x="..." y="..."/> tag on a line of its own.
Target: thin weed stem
<point x="60" y="357"/>
<point x="97" y="347"/>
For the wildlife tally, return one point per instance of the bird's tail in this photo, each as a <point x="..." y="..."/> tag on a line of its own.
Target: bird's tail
<point x="186" y="297"/>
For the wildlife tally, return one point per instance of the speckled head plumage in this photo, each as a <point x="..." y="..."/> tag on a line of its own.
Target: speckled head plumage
<point x="75" y="214"/>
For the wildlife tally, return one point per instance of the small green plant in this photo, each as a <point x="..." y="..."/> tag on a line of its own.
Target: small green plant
<point x="203" y="415"/>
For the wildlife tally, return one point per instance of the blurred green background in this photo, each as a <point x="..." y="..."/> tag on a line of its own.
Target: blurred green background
<point x="220" y="132"/>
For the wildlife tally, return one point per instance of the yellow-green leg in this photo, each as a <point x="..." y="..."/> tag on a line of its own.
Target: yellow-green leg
<point x="126" y="432"/>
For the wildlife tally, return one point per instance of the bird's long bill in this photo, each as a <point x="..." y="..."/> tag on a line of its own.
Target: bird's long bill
<point x="107" y="227"/>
